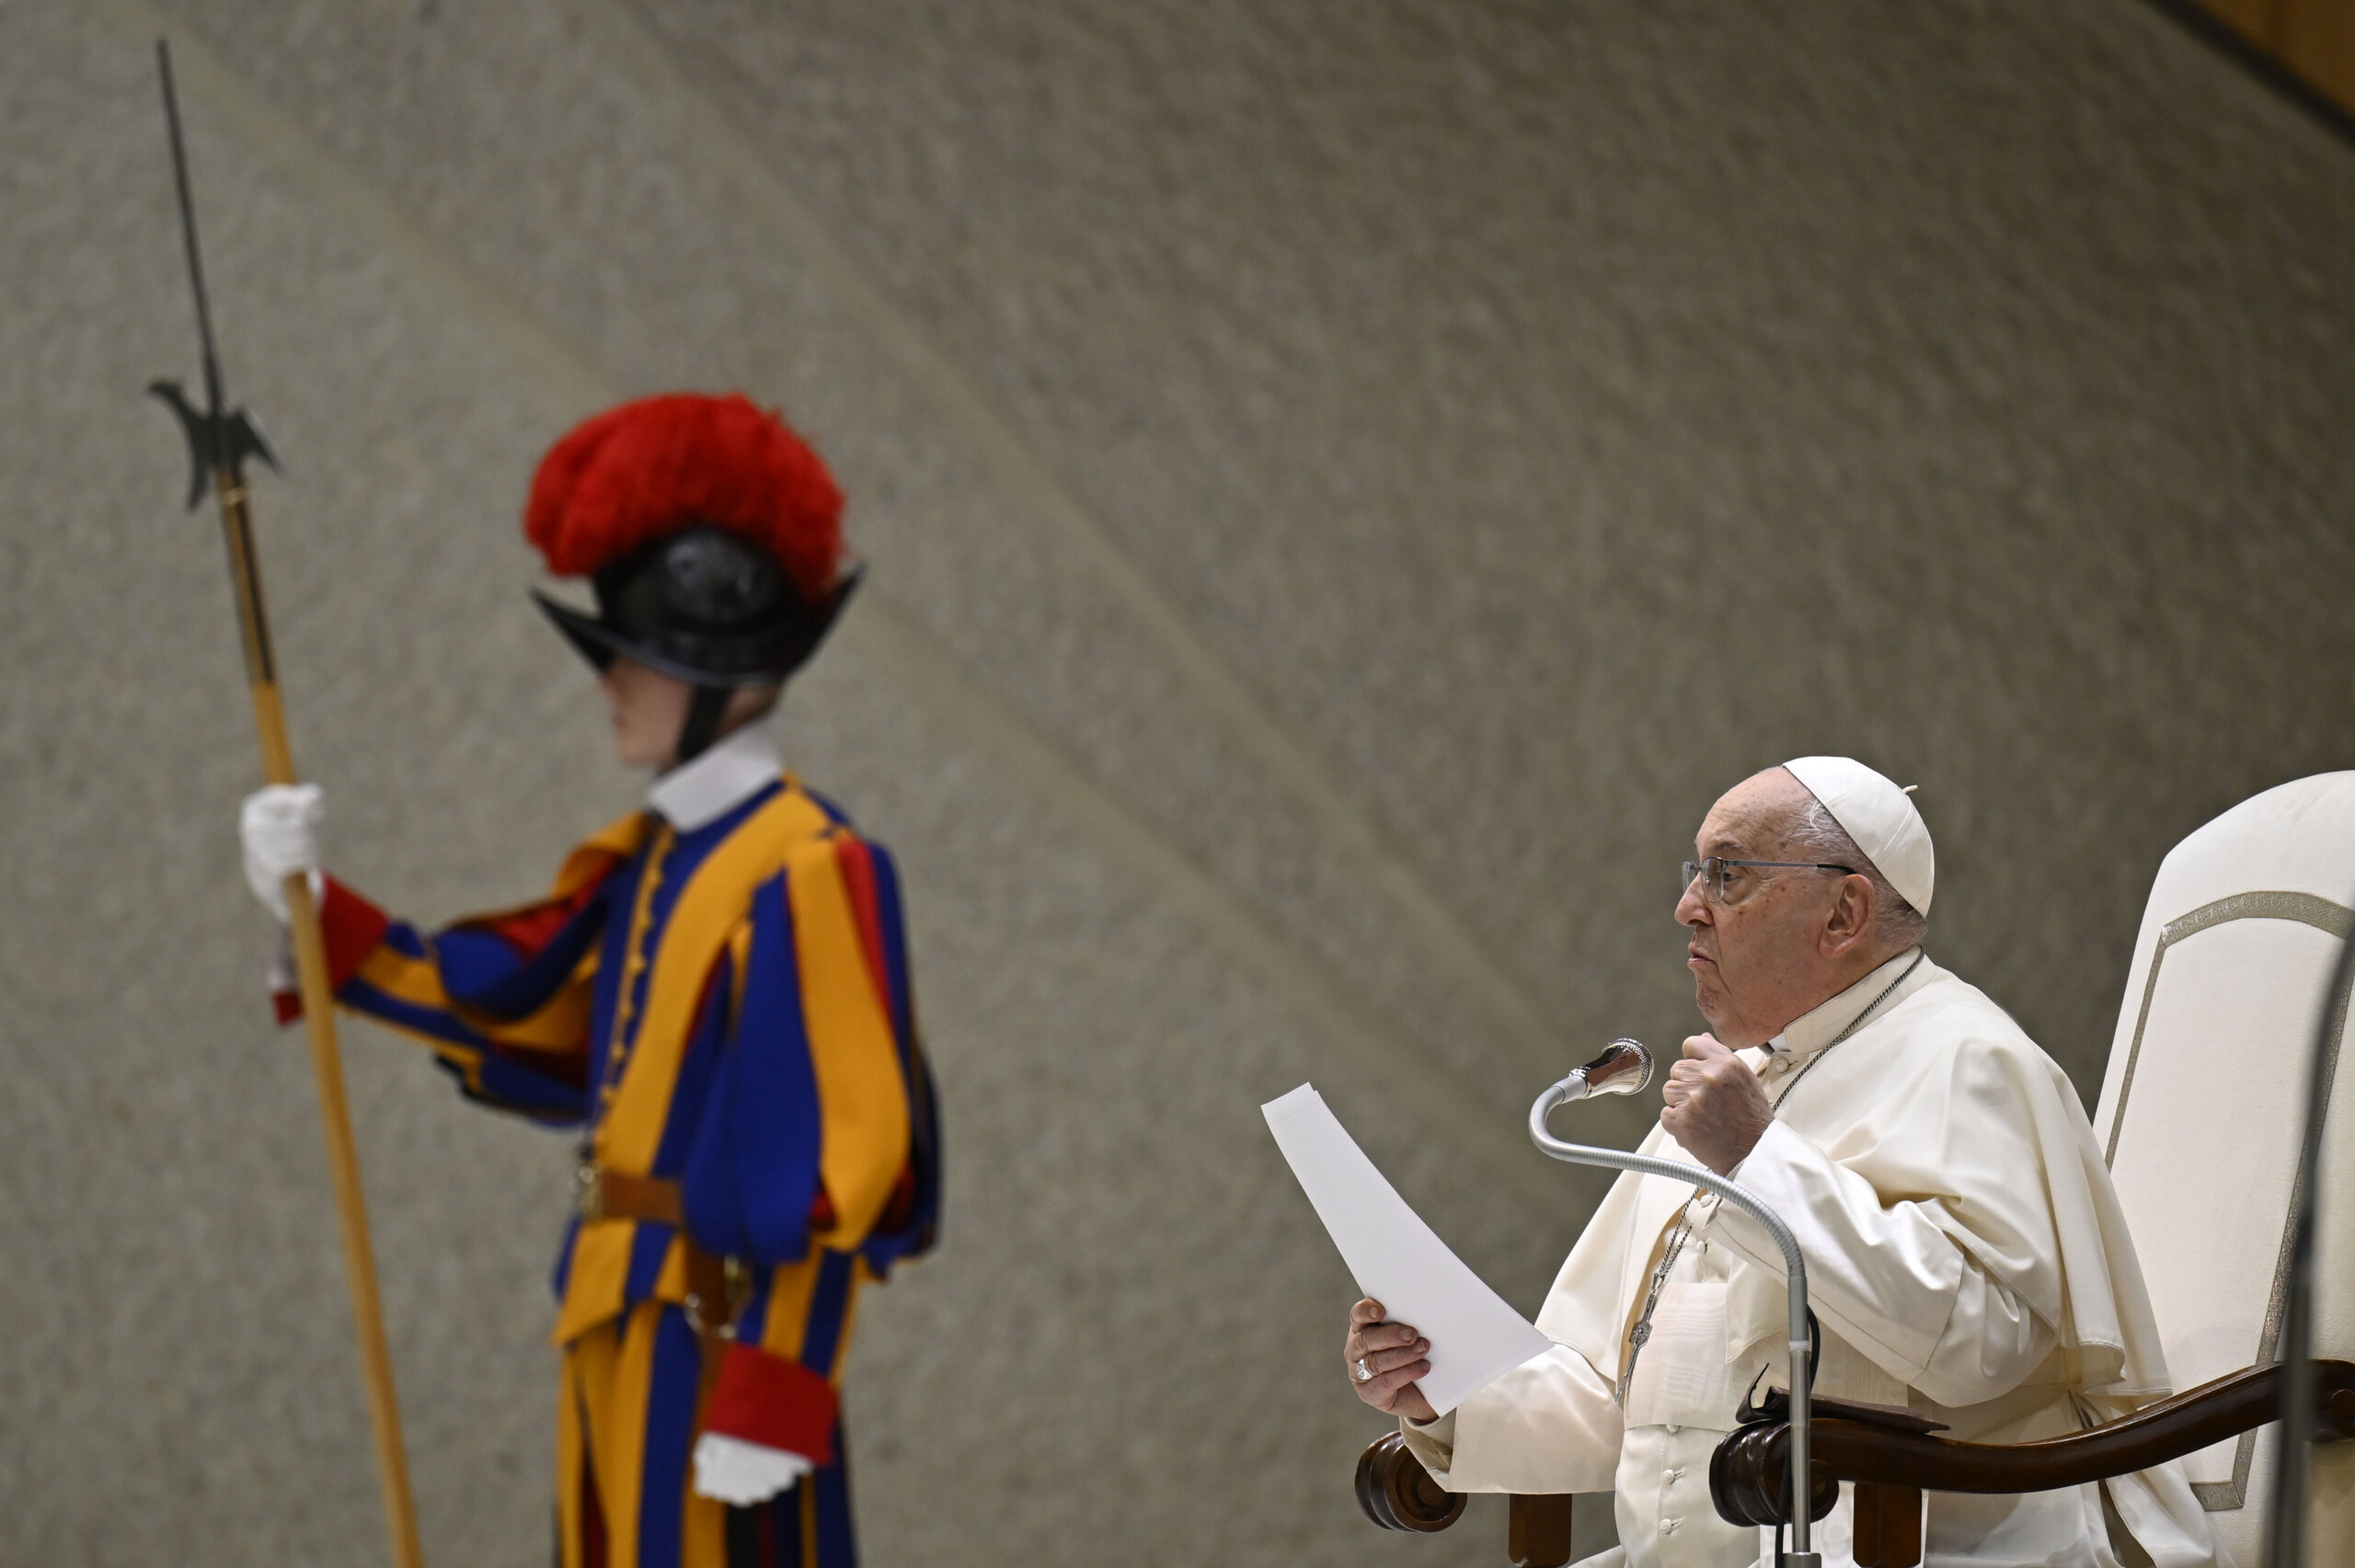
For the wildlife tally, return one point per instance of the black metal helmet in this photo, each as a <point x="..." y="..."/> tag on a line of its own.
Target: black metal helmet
<point x="704" y="605"/>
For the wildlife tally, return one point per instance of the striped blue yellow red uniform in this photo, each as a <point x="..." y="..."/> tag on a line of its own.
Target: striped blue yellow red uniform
<point x="726" y="1008"/>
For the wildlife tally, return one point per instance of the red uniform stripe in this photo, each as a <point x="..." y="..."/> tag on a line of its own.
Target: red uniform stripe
<point x="352" y="927"/>
<point x="529" y="930"/>
<point x="858" y="881"/>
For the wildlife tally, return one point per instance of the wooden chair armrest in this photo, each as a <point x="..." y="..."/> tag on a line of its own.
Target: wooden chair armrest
<point x="1750" y="1462"/>
<point x="1892" y="1469"/>
<point x="1399" y="1493"/>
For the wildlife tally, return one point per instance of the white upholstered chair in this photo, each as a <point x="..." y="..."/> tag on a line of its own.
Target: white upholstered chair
<point x="2201" y="1110"/>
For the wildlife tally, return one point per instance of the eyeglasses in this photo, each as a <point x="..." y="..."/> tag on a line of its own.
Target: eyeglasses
<point x="1722" y="882"/>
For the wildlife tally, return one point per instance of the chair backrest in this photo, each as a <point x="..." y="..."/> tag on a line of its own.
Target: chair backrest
<point x="2203" y="1104"/>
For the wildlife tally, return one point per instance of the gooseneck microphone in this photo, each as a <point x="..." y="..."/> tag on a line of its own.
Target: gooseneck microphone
<point x="1624" y="1066"/>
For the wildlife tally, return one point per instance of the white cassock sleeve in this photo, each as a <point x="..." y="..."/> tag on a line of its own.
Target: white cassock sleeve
<point x="1887" y="1277"/>
<point x="1548" y="1425"/>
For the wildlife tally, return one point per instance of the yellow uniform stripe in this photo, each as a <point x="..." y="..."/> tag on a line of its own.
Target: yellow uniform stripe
<point x="607" y="1373"/>
<point x="594" y="1281"/>
<point x="416" y="981"/>
<point x="641" y="916"/>
<point x="702" y="1528"/>
<point x="571" y="1437"/>
<point x="858" y="1282"/>
<point x="790" y="1288"/>
<point x="557" y="1027"/>
<point x="714" y="900"/>
<point x="862" y="1098"/>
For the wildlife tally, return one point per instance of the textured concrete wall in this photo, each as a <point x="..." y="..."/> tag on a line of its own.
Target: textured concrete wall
<point x="1345" y="487"/>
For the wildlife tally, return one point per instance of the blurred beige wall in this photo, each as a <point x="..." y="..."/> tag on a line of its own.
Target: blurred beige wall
<point x="1345" y="486"/>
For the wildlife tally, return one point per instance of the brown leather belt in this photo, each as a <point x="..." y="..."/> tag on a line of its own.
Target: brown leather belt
<point x="715" y="1285"/>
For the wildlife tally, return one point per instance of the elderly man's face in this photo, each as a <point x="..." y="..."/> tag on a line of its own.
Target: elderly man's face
<point x="1758" y="957"/>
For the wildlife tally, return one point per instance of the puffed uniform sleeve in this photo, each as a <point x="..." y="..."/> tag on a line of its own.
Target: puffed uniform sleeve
<point x="503" y="1000"/>
<point x="817" y="1108"/>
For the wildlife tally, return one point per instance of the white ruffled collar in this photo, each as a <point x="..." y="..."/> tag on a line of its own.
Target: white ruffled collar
<point x="735" y="769"/>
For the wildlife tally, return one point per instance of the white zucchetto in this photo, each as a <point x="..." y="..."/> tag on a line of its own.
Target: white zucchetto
<point x="1879" y="816"/>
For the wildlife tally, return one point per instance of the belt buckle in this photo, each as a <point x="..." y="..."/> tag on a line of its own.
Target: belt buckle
<point x="739" y="1289"/>
<point x="588" y="1194"/>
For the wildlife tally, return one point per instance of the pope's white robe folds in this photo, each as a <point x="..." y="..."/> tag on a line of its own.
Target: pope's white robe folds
<point x="1966" y="1256"/>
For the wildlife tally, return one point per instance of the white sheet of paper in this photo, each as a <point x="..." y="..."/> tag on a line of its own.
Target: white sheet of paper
<point x="1396" y="1259"/>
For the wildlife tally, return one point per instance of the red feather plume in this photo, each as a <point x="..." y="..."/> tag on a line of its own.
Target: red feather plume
<point x="651" y="467"/>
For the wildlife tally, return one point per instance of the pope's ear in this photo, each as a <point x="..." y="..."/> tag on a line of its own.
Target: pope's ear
<point x="1849" y="917"/>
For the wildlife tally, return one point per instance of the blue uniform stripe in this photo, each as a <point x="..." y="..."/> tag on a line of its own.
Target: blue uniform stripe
<point x="403" y="939"/>
<point x="431" y="1021"/>
<point x="837" y="1544"/>
<point x="482" y="969"/>
<point x="822" y="1336"/>
<point x="669" y="1430"/>
<point x="884" y="1249"/>
<point x="650" y="1243"/>
<point x="833" y="813"/>
<point x="514" y="1084"/>
<point x="895" y="943"/>
<point x="698" y="1064"/>
<point x="753" y="1326"/>
<point x="753" y="1172"/>
<point x="563" y="1271"/>
<point x="604" y="998"/>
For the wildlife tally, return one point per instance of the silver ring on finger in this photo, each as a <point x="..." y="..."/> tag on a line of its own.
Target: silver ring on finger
<point x="1363" y="1373"/>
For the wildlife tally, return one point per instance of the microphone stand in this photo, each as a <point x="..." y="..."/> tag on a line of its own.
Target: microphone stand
<point x="1622" y="1068"/>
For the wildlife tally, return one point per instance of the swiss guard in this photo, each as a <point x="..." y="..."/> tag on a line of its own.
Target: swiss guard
<point x="715" y="993"/>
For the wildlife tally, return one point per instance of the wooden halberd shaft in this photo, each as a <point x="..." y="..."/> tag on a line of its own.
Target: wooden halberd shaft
<point x="317" y="990"/>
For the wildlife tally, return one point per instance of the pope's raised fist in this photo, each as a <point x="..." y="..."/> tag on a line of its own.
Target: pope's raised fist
<point x="1715" y="1107"/>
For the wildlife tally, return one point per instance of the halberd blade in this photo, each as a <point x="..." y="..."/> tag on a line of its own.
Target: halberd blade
<point x="215" y="445"/>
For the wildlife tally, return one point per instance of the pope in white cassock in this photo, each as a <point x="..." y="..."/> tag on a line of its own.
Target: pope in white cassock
<point x="1966" y="1254"/>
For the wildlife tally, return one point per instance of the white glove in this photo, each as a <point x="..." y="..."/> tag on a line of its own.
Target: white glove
<point x="280" y="826"/>
<point x="743" y="1473"/>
